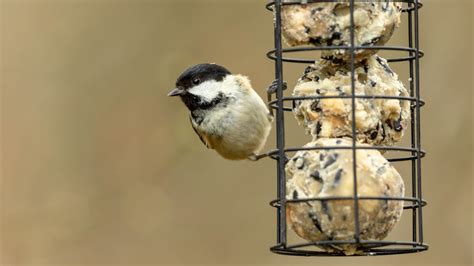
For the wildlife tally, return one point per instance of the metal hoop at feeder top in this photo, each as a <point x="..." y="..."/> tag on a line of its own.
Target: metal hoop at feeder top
<point x="410" y="3"/>
<point x="415" y="203"/>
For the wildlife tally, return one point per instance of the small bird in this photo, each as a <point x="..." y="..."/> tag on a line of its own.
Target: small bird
<point x="226" y="113"/>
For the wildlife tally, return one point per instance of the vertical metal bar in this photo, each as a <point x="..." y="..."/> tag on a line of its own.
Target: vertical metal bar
<point x="418" y="122"/>
<point x="280" y="129"/>
<point x="354" y="162"/>
<point x="413" y="125"/>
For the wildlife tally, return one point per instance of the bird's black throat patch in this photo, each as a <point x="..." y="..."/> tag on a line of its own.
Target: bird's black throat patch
<point x="194" y="102"/>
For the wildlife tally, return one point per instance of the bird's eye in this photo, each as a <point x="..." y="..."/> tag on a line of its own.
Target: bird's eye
<point x="196" y="81"/>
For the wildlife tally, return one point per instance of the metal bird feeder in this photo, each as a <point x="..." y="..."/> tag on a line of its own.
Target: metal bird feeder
<point x="413" y="154"/>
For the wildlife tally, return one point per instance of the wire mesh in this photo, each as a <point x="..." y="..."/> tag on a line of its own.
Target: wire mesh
<point x="413" y="154"/>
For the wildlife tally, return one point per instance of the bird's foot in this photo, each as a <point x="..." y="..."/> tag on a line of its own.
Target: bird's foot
<point x="274" y="87"/>
<point x="254" y="157"/>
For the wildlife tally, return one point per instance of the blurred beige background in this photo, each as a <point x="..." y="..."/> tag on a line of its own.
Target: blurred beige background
<point x="99" y="167"/>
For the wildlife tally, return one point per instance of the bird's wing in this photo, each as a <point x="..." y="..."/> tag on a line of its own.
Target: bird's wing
<point x="202" y="136"/>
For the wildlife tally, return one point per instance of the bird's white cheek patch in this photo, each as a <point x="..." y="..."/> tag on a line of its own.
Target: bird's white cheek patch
<point x="207" y="90"/>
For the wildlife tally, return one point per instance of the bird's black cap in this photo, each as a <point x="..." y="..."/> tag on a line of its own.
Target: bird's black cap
<point x="197" y="74"/>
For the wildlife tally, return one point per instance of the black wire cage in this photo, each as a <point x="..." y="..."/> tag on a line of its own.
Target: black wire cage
<point x="413" y="154"/>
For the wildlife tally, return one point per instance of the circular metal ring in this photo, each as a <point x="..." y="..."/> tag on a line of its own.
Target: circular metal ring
<point x="274" y="153"/>
<point x="368" y="248"/>
<point x="414" y="203"/>
<point x="410" y="8"/>
<point x="274" y="103"/>
<point x="412" y="52"/>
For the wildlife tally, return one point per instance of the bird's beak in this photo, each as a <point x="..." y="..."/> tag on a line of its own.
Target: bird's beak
<point x="176" y="92"/>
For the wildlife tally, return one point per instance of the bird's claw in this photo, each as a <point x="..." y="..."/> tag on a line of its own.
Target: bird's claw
<point x="274" y="87"/>
<point x="255" y="157"/>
